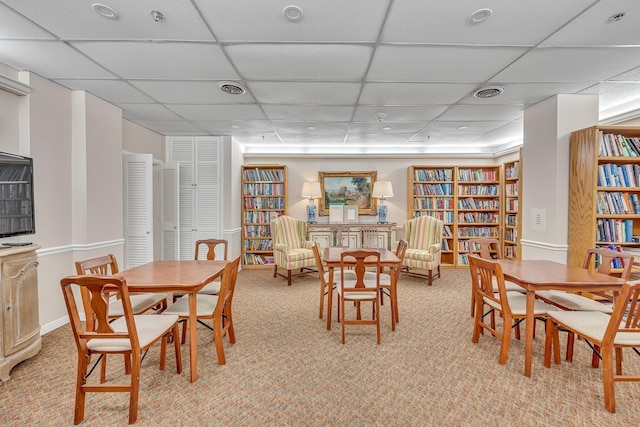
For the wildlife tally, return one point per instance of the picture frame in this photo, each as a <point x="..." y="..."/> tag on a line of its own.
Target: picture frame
<point x="351" y="213"/>
<point x="348" y="189"/>
<point x="336" y="213"/>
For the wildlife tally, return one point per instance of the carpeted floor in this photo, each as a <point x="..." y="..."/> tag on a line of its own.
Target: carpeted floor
<point x="286" y="369"/>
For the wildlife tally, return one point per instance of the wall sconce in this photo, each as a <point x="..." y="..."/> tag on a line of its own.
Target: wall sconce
<point x="311" y="190"/>
<point x="382" y="189"/>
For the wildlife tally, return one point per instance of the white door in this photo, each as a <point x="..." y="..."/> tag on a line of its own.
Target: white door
<point x="169" y="216"/>
<point x="137" y="181"/>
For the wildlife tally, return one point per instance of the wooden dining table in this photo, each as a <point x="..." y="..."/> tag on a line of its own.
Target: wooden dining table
<point x="186" y="277"/>
<point x="537" y="275"/>
<point x="332" y="258"/>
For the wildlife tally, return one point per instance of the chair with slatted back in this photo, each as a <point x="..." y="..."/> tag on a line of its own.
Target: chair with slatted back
<point x="130" y="335"/>
<point x="389" y="283"/>
<point x="359" y="290"/>
<point x="211" y="244"/>
<point x="216" y="308"/>
<point x="608" y="333"/>
<point x="577" y="302"/>
<point x="370" y="238"/>
<point x="324" y="278"/>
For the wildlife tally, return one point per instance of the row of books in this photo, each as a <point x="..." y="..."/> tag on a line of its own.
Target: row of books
<point x="257" y="230"/>
<point x="614" y="230"/>
<point x="617" y="203"/>
<point x="512" y="204"/>
<point x="511" y="220"/>
<point x="511" y="235"/>
<point x="478" y="217"/>
<point x="611" y="175"/>
<point x="478" y="232"/>
<point x="263" y="189"/>
<point x="252" y="259"/>
<point x="477" y="175"/>
<point x="445" y="245"/>
<point x="470" y="203"/>
<point x="511" y="252"/>
<point x="15" y="191"/>
<point x="432" y="175"/>
<point x="433" y="189"/>
<point x="618" y="146"/>
<point x="478" y="190"/>
<point x="445" y="216"/>
<point x="264" y="202"/>
<point x="511" y="190"/>
<point x="433" y="203"/>
<point x="16" y="223"/>
<point x="17" y="173"/>
<point x="258" y="245"/>
<point x="261" y="216"/>
<point x="258" y="174"/>
<point x="513" y="171"/>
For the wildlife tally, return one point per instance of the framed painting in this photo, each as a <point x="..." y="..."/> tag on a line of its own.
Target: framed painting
<point x="348" y="189"/>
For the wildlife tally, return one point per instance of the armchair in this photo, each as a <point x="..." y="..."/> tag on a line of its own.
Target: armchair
<point x="424" y="246"/>
<point x="290" y="249"/>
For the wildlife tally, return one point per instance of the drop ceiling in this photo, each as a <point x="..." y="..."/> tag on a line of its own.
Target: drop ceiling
<point x="347" y="77"/>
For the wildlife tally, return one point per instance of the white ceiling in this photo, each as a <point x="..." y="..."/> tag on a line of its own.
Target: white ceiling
<point x="316" y="85"/>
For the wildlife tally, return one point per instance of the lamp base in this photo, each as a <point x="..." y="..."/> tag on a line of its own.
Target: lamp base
<point x="311" y="213"/>
<point x="382" y="212"/>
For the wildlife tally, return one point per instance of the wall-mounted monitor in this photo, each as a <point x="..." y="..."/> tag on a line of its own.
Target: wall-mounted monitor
<point x="17" y="216"/>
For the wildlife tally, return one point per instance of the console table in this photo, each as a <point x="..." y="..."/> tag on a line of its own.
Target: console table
<point x="351" y="234"/>
<point x="19" y="322"/>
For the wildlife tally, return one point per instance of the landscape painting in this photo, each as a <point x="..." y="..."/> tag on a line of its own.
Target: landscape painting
<point x="347" y="189"/>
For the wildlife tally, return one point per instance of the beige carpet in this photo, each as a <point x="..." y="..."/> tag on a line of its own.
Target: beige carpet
<point x="286" y="369"/>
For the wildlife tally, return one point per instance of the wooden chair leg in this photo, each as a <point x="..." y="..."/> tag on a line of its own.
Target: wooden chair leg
<point x="231" y="333"/>
<point x="275" y="270"/>
<point x="608" y="380"/>
<point x="135" y="388"/>
<point x="163" y="352"/>
<point x="176" y="344"/>
<point x="570" y="342"/>
<point x="83" y="363"/>
<point x="322" y="291"/>
<point x="217" y="340"/>
<point x="288" y="277"/>
<point x="185" y="322"/>
<point x="595" y="360"/>
<point x="430" y="282"/>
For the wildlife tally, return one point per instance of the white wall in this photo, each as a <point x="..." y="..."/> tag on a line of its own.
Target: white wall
<point x="137" y="139"/>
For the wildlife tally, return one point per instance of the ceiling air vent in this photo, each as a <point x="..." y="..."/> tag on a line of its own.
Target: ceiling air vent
<point x="232" y="88"/>
<point x="488" y="92"/>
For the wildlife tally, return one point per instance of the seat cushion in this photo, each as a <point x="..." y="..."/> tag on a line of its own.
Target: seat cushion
<point x="139" y="303"/>
<point x="354" y="296"/>
<point x="518" y="305"/>
<point x="592" y="325"/>
<point x="418" y="254"/>
<point x="149" y="327"/>
<point x="212" y="288"/>
<point x="509" y="286"/>
<point x="205" y="304"/>
<point x="574" y="302"/>
<point x="300" y="254"/>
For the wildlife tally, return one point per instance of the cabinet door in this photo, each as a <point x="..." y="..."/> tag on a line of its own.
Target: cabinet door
<point x="324" y="239"/>
<point x="138" y="209"/>
<point x="169" y="215"/>
<point x="20" y="302"/>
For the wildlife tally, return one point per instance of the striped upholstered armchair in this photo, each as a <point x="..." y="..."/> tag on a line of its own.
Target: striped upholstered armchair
<point x="290" y="248"/>
<point x="424" y="245"/>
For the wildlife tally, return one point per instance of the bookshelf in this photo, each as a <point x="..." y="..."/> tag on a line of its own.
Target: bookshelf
<point x="466" y="199"/>
<point x="432" y="193"/>
<point x="512" y="227"/>
<point x="264" y="198"/>
<point x="604" y="187"/>
<point x="478" y="202"/>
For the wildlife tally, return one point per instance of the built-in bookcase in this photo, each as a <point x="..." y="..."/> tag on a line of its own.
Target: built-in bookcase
<point x="512" y="228"/>
<point x="432" y="193"/>
<point x="604" y="187"/>
<point x="466" y="199"/>
<point x="264" y="198"/>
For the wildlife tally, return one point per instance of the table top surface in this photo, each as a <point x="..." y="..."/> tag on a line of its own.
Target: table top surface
<point x="332" y="254"/>
<point x="184" y="275"/>
<point x="552" y="275"/>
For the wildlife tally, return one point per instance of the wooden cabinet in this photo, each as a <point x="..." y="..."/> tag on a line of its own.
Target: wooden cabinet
<point x="512" y="227"/>
<point x="432" y="193"/>
<point x="604" y="187"/>
<point x="264" y="198"/>
<point x="352" y="235"/>
<point x="466" y="199"/>
<point x="19" y="323"/>
<point x="199" y="189"/>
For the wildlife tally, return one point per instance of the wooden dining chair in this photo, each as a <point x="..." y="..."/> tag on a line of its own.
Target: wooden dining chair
<point x="359" y="290"/>
<point x="130" y="335"/>
<point x="211" y="246"/>
<point x="570" y="301"/>
<point x="216" y="308"/>
<point x="510" y="305"/>
<point x="607" y="333"/>
<point x="323" y="276"/>
<point x="389" y="282"/>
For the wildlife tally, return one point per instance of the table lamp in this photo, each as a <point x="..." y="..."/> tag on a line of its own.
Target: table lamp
<point x="311" y="190"/>
<point x="382" y="189"/>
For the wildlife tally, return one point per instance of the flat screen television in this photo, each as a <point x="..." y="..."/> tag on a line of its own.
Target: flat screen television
<point x="17" y="215"/>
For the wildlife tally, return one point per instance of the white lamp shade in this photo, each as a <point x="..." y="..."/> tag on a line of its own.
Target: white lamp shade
<point x="382" y="189"/>
<point x="311" y="190"/>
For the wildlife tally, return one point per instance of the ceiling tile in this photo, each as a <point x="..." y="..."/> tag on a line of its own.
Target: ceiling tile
<point x="334" y="93"/>
<point x="300" y="62"/>
<point x="303" y="127"/>
<point x="172" y="60"/>
<point x="308" y="113"/>
<point x="463" y="127"/>
<point x="14" y="26"/>
<point x="189" y="92"/>
<point x="113" y="91"/>
<point x="398" y="114"/>
<point x="439" y="63"/>
<point x="218" y="112"/>
<point x="147" y="112"/>
<point x="525" y="93"/>
<point x="379" y="128"/>
<point x="162" y="126"/>
<point x="481" y="113"/>
<point x="413" y="93"/>
<point x="325" y="21"/>
<point x="234" y="126"/>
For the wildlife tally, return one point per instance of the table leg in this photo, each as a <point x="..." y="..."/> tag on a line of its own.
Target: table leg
<point x="193" y="323"/>
<point x="530" y="319"/>
<point x="330" y="297"/>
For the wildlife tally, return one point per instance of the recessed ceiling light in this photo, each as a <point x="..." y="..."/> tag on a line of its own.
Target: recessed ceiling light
<point x="617" y="17"/>
<point x="463" y="127"/>
<point x="480" y="15"/>
<point x="292" y="13"/>
<point x="104" y="10"/>
<point x="311" y="127"/>
<point x="488" y="91"/>
<point x="386" y="128"/>
<point x="235" y="127"/>
<point x="232" y="88"/>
